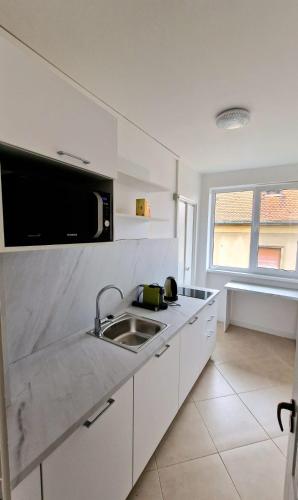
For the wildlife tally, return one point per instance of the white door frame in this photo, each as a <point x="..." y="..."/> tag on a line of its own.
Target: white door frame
<point x="194" y="204"/>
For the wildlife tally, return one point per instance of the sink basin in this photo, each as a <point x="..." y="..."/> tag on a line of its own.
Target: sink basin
<point x="130" y="331"/>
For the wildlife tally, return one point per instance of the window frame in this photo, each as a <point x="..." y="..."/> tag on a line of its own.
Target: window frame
<point x="253" y="268"/>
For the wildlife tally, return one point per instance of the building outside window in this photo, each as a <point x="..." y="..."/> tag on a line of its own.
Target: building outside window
<point x="255" y="230"/>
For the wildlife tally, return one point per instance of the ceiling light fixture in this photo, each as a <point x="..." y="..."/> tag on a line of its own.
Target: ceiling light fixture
<point x="233" y="118"/>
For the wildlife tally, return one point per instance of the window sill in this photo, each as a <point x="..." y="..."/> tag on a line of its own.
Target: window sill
<point x="262" y="277"/>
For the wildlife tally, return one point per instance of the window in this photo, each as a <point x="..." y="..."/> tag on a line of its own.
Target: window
<point x="232" y="229"/>
<point x="269" y="257"/>
<point x="186" y="230"/>
<point x="255" y="229"/>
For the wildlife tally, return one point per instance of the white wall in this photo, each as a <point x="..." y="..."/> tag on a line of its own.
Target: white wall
<point x="251" y="312"/>
<point x="188" y="181"/>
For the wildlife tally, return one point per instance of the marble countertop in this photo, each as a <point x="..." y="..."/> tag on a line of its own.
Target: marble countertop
<point x="53" y="391"/>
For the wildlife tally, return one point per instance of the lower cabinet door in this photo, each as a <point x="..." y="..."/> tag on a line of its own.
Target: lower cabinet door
<point x="29" y="488"/>
<point x="197" y="343"/>
<point x="95" y="463"/>
<point x="155" y="402"/>
<point x="191" y="354"/>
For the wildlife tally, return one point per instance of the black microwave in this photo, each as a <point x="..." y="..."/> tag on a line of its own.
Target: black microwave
<point x="47" y="202"/>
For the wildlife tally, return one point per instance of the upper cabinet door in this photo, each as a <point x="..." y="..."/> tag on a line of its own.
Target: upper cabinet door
<point x="29" y="488"/>
<point x="42" y="112"/>
<point x="95" y="463"/>
<point x="155" y="402"/>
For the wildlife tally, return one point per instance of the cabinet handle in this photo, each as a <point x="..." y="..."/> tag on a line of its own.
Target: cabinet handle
<point x="91" y="420"/>
<point x="211" y="303"/>
<point x="64" y="153"/>
<point x="193" y="320"/>
<point x="164" y="349"/>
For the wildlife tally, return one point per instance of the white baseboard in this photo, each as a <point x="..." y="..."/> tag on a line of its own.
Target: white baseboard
<point x="259" y="328"/>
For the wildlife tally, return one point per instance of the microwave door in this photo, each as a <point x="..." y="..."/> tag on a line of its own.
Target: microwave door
<point x="82" y="219"/>
<point x="99" y="202"/>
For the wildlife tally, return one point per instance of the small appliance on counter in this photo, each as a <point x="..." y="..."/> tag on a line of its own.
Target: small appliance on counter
<point x="170" y="290"/>
<point x="150" y="297"/>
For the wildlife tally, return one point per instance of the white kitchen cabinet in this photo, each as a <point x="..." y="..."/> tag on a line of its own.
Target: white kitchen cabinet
<point x="96" y="462"/>
<point x="209" y="330"/>
<point x="42" y="112"/>
<point x="191" y="358"/>
<point x="29" y="488"/>
<point x="155" y="402"/>
<point x="197" y="341"/>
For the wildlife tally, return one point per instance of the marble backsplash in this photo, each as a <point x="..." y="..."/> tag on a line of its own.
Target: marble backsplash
<point x="50" y="294"/>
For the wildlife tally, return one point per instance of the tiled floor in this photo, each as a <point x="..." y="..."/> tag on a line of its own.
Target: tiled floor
<point x="224" y="443"/>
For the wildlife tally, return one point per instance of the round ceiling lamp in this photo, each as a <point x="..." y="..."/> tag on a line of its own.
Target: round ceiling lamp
<point x="233" y="118"/>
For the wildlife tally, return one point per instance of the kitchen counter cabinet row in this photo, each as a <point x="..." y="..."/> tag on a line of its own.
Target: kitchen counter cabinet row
<point x="105" y="457"/>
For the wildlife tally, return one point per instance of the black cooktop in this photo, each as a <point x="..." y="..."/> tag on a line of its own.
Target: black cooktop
<point x="194" y="292"/>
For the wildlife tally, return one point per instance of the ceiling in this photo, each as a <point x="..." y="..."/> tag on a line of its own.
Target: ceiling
<point x="171" y="65"/>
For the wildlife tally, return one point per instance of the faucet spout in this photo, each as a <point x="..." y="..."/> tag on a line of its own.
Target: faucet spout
<point x="97" y="320"/>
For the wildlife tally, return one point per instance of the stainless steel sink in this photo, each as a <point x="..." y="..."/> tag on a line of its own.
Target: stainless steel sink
<point x="130" y="331"/>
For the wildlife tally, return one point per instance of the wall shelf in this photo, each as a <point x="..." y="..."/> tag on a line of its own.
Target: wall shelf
<point x="138" y="184"/>
<point x="140" y="217"/>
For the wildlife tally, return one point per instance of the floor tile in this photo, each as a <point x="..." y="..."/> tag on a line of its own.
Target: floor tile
<point x="257" y="471"/>
<point x="284" y="349"/>
<point x="186" y="439"/>
<point x="262" y="403"/>
<point x="211" y="384"/>
<point x="230" y="423"/>
<point x="241" y="343"/>
<point x="151" y="465"/>
<point x="147" y="487"/>
<point x="282" y="443"/>
<point x="251" y="374"/>
<point x="202" y="479"/>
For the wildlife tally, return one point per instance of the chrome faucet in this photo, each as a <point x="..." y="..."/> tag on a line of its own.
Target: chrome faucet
<point x="98" y="320"/>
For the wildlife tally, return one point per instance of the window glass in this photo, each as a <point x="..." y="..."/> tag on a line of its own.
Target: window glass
<point x="232" y="229"/>
<point x="278" y="229"/>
